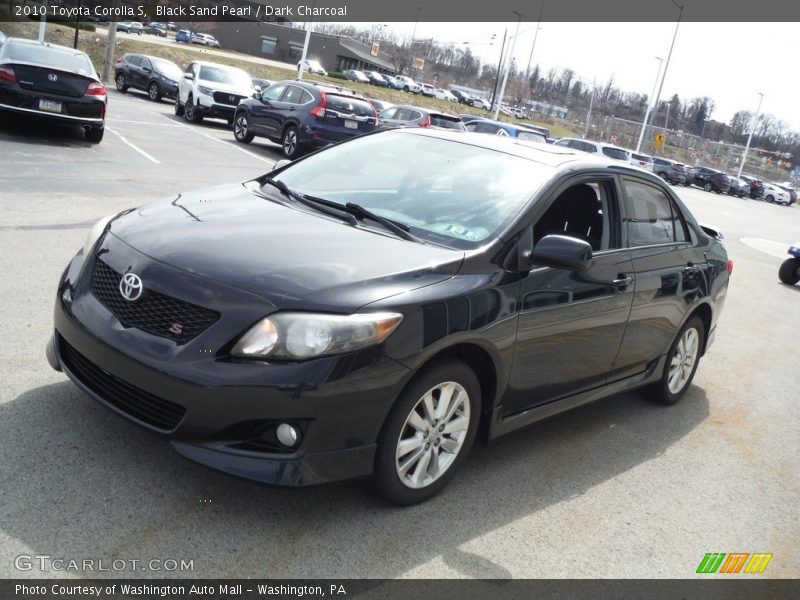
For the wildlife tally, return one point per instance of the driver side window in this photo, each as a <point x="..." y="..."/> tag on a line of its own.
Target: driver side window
<point x="587" y="211"/>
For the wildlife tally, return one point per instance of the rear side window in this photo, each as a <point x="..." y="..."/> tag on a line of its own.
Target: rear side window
<point x="531" y="137"/>
<point x="617" y="153"/>
<point x="640" y="157"/>
<point x="134" y="60"/>
<point x="480" y="127"/>
<point x="347" y="105"/>
<point x="293" y="95"/>
<point x="651" y="216"/>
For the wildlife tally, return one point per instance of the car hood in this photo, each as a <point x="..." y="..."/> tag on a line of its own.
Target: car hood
<point x="226" y="88"/>
<point x="290" y="256"/>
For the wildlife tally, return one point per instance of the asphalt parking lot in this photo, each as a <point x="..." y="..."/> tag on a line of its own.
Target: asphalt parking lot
<point x="619" y="488"/>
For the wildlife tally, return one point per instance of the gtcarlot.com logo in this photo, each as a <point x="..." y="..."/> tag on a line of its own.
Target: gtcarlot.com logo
<point x="734" y="562"/>
<point x="44" y="562"/>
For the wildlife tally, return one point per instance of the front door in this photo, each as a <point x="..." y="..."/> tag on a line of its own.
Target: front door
<point x="571" y="323"/>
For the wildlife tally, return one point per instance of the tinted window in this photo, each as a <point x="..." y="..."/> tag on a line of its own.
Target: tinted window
<point x="306" y="98"/>
<point x="447" y="122"/>
<point x="134" y="60"/>
<point x="388" y="113"/>
<point x="404" y="114"/>
<point x="293" y="95"/>
<point x="651" y="217"/>
<point x="660" y="161"/>
<point x="273" y="93"/>
<point x="531" y="137"/>
<point x="616" y="153"/>
<point x="643" y="157"/>
<point x="146" y="64"/>
<point x="585" y="146"/>
<point x="74" y="61"/>
<point x="481" y="127"/>
<point x="347" y="105"/>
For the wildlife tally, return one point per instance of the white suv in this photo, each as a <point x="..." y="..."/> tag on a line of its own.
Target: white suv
<point x="409" y="85"/>
<point x="211" y="90"/>
<point x="607" y="150"/>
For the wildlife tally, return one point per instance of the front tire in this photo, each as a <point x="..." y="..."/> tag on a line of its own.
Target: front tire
<point x="789" y="273"/>
<point x="770" y="199"/>
<point x="241" y="131"/>
<point x="121" y="82"/>
<point x="428" y="433"/>
<point x="681" y="364"/>
<point x="290" y="143"/>
<point x="154" y="92"/>
<point x="190" y="111"/>
<point x="707" y="187"/>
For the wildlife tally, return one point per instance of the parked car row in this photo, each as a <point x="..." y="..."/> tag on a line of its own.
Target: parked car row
<point x="189" y="37"/>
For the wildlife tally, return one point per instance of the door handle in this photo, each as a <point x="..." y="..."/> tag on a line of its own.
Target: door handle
<point x="622" y="280"/>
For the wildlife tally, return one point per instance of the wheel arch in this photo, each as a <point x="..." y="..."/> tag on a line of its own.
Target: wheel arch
<point x="705" y="313"/>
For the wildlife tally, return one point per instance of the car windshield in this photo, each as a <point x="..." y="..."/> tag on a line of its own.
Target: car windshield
<point x="449" y="193"/>
<point x="74" y="61"/>
<point x="167" y="68"/>
<point x="229" y="76"/>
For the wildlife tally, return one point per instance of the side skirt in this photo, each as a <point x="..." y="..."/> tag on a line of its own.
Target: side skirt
<point x="506" y="424"/>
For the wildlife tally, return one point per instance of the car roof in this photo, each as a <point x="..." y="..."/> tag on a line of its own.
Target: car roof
<point x="546" y="154"/>
<point x="55" y="47"/>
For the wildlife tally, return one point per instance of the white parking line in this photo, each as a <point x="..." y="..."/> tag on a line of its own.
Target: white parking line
<point x="151" y="123"/>
<point x="134" y="146"/>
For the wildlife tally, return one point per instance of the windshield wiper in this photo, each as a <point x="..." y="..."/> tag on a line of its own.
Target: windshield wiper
<point x="312" y="202"/>
<point x="399" y="229"/>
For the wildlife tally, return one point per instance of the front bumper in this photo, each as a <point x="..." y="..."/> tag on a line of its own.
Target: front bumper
<point x="225" y="412"/>
<point x="207" y="107"/>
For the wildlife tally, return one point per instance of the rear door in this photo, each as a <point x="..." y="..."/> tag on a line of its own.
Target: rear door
<point x="144" y="72"/>
<point x="668" y="277"/>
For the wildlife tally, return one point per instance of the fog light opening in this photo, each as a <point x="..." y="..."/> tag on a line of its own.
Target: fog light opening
<point x="288" y="435"/>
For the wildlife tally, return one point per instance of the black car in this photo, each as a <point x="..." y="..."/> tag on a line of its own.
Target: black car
<point x="302" y="115"/>
<point x="372" y="307"/>
<point x="376" y="78"/>
<point x="158" y="29"/>
<point x="52" y="82"/>
<point x="414" y="116"/>
<point x="711" y="180"/>
<point x="156" y="76"/>
<point x="738" y="187"/>
<point x="756" y="186"/>
<point x="463" y="97"/>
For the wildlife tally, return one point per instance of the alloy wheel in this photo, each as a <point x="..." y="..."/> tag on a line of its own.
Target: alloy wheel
<point x="432" y="435"/>
<point x="289" y="143"/>
<point x="121" y="82"/>
<point x="240" y="127"/>
<point x="152" y="91"/>
<point x="682" y="363"/>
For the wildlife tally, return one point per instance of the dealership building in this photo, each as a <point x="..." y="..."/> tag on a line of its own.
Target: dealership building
<point x="285" y="44"/>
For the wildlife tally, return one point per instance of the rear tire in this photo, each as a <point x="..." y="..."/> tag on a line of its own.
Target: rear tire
<point x="95" y="134"/>
<point x="428" y="433"/>
<point x="290" y="143"/>
<point x="789" y="273"/>
<point x="154" y="92"/>
<point x="681" y="364"/>
<point x="121" y="82"/>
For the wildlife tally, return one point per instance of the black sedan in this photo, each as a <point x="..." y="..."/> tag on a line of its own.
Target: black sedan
<point x="52" y="82"/>
<point x="362" y="311"/>
<point x="157" y="76"/>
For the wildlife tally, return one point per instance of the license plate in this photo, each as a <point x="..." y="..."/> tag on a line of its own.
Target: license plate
<point x="50" y="105"/>
<point x="351" y="124"/>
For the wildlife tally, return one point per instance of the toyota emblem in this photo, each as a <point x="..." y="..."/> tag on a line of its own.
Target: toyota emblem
<point x="52" y="77"/>
<point x="131" y="287"/>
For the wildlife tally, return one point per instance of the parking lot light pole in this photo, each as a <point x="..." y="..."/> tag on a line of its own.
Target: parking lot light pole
<point x="752" y="131"/>
<point x="649" y="105"/>
<point x="591" y="102"/>
<point x="43" y="22"/>
<point x="508" y="67"/>
<point x="669" y="56"/>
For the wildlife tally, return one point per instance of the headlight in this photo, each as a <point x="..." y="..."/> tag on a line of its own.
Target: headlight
<point x="167" y="80"/>
<point x="205" y="90"/>
<point x="95" y="233"/>
<point x="307" y="335"/>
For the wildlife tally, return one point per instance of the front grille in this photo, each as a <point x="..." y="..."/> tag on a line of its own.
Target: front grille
<point x="154" y="313"/>
<point x="225" y="98"/>
<point x="147" y="408"/>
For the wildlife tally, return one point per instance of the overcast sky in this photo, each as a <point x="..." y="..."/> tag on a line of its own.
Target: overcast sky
<point x="729" y="62"/>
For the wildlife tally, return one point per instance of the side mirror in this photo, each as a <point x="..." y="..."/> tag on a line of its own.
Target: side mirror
<point x="189" y="76"/>
<point x="257" y="89"/>
<point x="280" y="164"/>
<point x="562" y="252"/>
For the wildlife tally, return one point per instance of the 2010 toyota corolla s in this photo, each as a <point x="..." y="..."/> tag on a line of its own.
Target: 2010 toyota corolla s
<point x="371" y="308"/>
